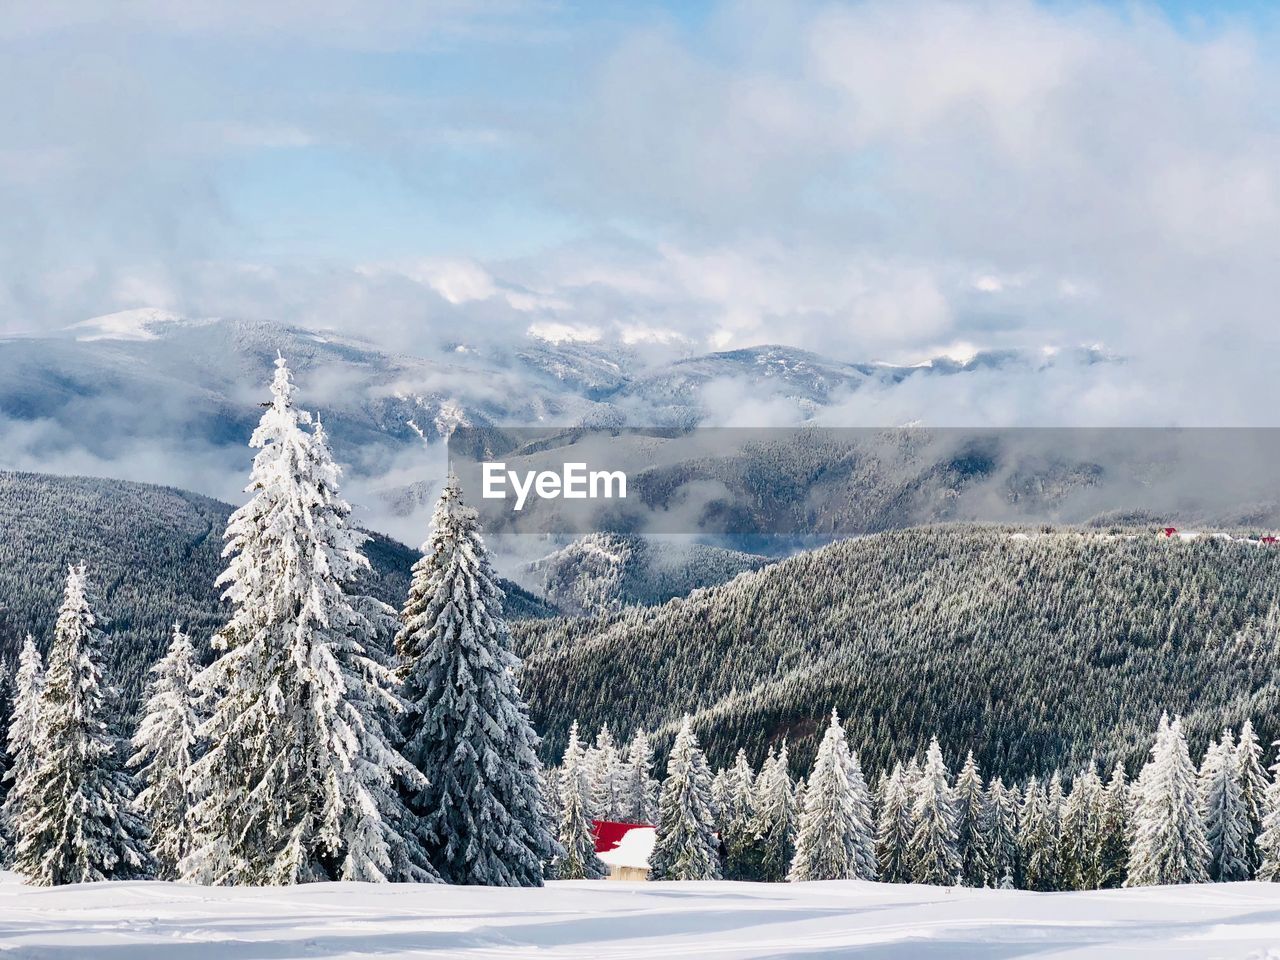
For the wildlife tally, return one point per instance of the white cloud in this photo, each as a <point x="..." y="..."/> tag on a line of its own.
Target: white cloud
<point x="564" y="333"/>
<point x="872" y="179"/>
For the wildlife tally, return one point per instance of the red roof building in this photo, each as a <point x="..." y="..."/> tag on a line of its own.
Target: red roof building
<point x="624" y="847"/>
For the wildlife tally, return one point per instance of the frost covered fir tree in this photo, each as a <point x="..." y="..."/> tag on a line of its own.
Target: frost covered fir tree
<point x="608" y="778"/>
<point x="894" y="829"/>
<point x="550" y="778"/>
<point x="77" y="821"/>
<point x="970" y="838"/>
<point x="640" y="789"/>
<point x="483" y="817"/>
<point x="1226" y="818"/>
<point x="1038" y="839"/>
<point x="578" y="860"/>
<point x="1080" y="844"/>
<point x="742" y="855"/>
<point x="720" y="799"/>
<point x="911" y="773"/>
<point x="163" y="746"/>
<point x="1054" y="802"/>
<point x="1168" y="832"/>
<point x="685" y="847"/>
<point x="300" y="782"/>
<point x="777" y="817"/>
<point x="1000" y="830"/>
<point x="836" y="837"/>
<point x="24" y="737"/>
<point x="1254" y="785"/>
<point x="1269" y="838"/>
<point x="1115" y="828"/>
<point x="932" y="852"/>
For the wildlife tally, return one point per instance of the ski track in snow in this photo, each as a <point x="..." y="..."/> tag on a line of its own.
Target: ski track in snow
<point x="584" y="919"/>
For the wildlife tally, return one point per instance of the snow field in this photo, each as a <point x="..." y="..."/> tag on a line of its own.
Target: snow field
<point x="600" y="919"/>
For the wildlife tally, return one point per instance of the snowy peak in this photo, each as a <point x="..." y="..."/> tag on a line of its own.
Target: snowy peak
<point x="144" y="323"/>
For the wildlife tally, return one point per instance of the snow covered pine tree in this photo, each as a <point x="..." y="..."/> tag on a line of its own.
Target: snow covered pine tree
<point x="24" y="738"/>
<point x="640" y="789"/>
<point x="1226" y="816"/>
<point x="894" y="828"/>
<point x="1000" y="828"/>
<point x="1254" y="786"/>
<point x="483" y="817"/>
<point x="1169" y="843"/>
<point x="686" y="847"/>
<point x="970" y="798"/>
<point x="77" y="822"/>
<point x="163" y="753"/>
<point x="607" y="776"/>
<point x="933" y="853"/>
<point x="738" y="836"/>
<point x="578" y="860"/>
<point x="777" y="817"/>
<point x="300" y="780"/>
<point x="836" y="839"/>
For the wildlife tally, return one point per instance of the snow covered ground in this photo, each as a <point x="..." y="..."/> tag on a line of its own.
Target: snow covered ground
<point x="163" y="921"/>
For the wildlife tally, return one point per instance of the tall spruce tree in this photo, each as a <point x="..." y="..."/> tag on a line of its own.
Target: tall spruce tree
<point x="467" y="729"/>
<point x="1269" y="838"/>
<point x="578" y="859"/>
<point x="25" y="739"/>
<point x="1168" y="837"/>
<point x="550" y="778"/>
<point x="721" y="800"/>
<point x="777" y="817"/>
<point x="970" y="837"/>
<point x="1000" y="820"/>
<point x="77" y="820"/>
<point x="1254" y="785"/>
<point x="836" y="838"/>
<point x="608" y="777"/>
<point x="1226" y="817"/>
<point x="742" y="854"/>
<point x="640" y="789"/>
<point x="1117" y="805"/>
<point x="686" y="847"/>
<point x="1083" y="832"/>
<point x="1038" y="839"/>
<point x="894" y="828"/>
<point x="934" y="856"/>
<point x="301" y="779"/>
<point x="164" y="744"/>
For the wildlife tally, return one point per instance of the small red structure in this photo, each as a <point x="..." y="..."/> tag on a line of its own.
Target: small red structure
<point x="1170" y="531"/>
<point x="625" y="848"/>
<point x="609" y="833"/>
<point x="1269" y="540"/>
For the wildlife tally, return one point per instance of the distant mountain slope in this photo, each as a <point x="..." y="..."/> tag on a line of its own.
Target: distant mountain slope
<point x="1033" y="650"/>
<point x="602" y="572"/>
<point x="153" y="554"/>
<point x="182" y="390"/>
<point x="817" y="484"/>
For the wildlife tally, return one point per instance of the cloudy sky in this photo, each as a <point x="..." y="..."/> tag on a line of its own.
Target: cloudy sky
<point x="876" y="180"/>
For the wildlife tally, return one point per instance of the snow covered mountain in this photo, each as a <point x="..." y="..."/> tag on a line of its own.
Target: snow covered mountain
<point x="602" y="572"/>
<point x="148" y="394"/>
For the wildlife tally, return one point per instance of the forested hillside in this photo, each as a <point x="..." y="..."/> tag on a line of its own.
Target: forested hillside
<point x="604" y="571"/>
<point x="1033" y="650"/>
<point x="152" y="554"/>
